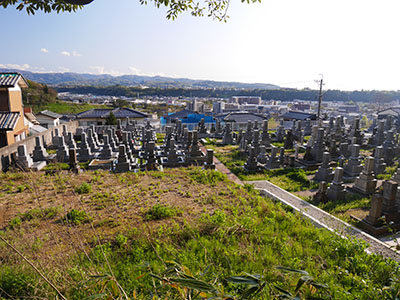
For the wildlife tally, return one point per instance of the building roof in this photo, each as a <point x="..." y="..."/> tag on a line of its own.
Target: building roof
<point x="50" y="114"/>
<point x="8" y="120"/>
<point x="31" y="118"/>
<point x="37" y="129"/>
<point x="392" y="111"/>
<point x="11" y="79"/>
<point x="179" y="115"/>
<point x="242" y="117"/>
<point x="298" y="115"/>
<point x="102" y="113"/>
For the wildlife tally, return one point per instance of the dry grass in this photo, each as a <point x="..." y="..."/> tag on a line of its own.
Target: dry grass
<point x="117" y="203"/>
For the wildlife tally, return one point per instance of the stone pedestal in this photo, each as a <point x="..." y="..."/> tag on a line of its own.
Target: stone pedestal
<point x="106" y="152"/>
<point x="210" y="160"/>
<point x="24" y="161"/>
<point x="73" y="161"/>
<point x="227" y="138"/>
<point x="272" y="162"/>
<point x="337" y="191"/>
<point x="85" y="154"/>
<point x="375" y="212"/>
<point x="325" y="172"/>
<point x="321" y="195"/>
<point x="353" y="167"/>
<point x="251" y="163"/>
<point x="39" y="153"/>
<point x="262" y="156"/>
<point x="389" y="206"/>
<point x="62" y="151"/>
<point x="366" y="182"/>
<point x="380" y="165"/>
<point x="123" y="164"/>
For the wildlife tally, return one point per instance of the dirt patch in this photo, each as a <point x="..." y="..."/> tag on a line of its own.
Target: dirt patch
<point x="359" y="213"/>
<point x="33" y="207"/>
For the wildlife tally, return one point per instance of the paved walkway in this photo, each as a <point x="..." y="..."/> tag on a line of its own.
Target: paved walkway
<point x="323" y="219"/>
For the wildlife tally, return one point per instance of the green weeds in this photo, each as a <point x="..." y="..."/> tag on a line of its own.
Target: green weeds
<point x="159" y="212"/>
<point x="77" y="217"/>
<point x="84" y="188"/>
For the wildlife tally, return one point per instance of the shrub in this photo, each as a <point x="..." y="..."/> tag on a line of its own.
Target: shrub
<point x="84" y="188"/>
<point x="14" y="223"/>
<point x="159" y="212"/>
<point x="210" y="177"/>
<point x="15" y="285"/>
<point x="77" y="217"/>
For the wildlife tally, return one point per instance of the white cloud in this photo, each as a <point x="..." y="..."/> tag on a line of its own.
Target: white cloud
<point x="136" y="71"/>
<point x="15" y="66"/>
<point x="97" y="69"/>
<point x="66" y="53"/>
<point x="76" y="54"/>
<point x="63" y="69"/>
<point x="44" y="50"/>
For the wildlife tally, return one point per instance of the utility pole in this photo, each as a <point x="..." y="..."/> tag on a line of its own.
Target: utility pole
<point x="321" y="83"/>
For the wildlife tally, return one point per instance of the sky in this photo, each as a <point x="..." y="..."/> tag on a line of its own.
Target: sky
<point x="353" y="44"/>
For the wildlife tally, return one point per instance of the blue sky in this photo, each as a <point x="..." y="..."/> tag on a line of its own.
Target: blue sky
<point x="354" y="44"/>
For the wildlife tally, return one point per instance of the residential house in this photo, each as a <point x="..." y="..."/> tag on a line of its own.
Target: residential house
<point x="189" y="118"/>
<point x="98" y="116"/>
<point x="239" y="120"/>
<point x="298" y="116"/>
<point x="48" y="118"/>
<point x="12" y="124"/>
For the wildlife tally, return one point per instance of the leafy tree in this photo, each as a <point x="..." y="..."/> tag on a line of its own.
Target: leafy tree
<point x="216" y="9"/>
<point x="111" y="119"/>
<point x="120" y="103"/>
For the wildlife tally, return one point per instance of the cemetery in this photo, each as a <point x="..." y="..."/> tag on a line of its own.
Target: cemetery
<point x="334" y="165"/>
<point x="134" y="184"/>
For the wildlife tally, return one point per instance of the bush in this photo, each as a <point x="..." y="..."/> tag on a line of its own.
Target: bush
<point x="210" y="177"/>
<point x="15" y="223"/>
<point x="15" y="285"/>
<point x="159" y="212"/>
<point x="77" y="217"/>
<point x="84" y="188"/>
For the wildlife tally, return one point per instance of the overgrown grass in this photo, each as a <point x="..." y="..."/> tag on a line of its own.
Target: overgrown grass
<point x="223" y="230"/>
<point x="339" y="208"/>
<point x="159" y="212"/>
<point x="63" y="107"/>
<point x="290" y="179"/>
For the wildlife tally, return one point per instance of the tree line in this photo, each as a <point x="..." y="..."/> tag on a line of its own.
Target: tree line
<point x="276" y="94"/>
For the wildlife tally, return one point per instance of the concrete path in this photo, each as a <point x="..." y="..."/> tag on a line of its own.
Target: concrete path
<point x="323" y="219"/>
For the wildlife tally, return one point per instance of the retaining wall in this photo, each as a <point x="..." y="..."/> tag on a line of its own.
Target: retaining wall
<point x="8" y="153"/>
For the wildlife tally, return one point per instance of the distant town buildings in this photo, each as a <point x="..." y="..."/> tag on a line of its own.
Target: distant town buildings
<point x="247" y="100"/>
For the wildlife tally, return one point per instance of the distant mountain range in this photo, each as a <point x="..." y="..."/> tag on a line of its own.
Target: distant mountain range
<point x="77" y="79"/>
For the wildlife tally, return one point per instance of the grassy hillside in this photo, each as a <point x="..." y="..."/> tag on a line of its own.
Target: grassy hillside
<point x="41" y="97"/>
<point x="178" y="234"/>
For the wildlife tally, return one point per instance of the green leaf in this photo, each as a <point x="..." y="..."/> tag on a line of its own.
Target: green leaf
<point x="194" y="284"/>
<point x="301" y="281"/>
<point x="249" y="280"/>
<point x="249" y="292"/>
<point x="292" y="270"/>
<point x="284" y="292"/>
<point x="319" y="285"/>
<point x="97" y="296"/>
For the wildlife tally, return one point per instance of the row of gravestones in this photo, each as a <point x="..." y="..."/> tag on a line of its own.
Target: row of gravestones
<point x="122" y="147"/>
